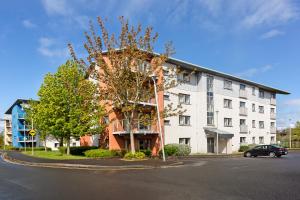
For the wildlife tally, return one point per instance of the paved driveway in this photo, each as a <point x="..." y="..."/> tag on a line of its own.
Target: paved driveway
<point x="230" y="178"/>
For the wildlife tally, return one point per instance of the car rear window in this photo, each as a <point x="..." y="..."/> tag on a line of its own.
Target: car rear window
<point x="276" y="146"/>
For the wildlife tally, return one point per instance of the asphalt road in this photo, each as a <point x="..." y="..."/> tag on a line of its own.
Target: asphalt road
<point x="217" y="179"/>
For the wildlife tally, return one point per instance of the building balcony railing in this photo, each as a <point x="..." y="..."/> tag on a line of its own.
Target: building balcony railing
<point x="273" y="130"/>
<point x="21" y="116"/>
<point x="243" y="94"/>
<point x="8" y="139"/>
<point x="243" y="129"/>
<point x="273" y="101"/>
<point x="243" y="111"/>
<point x="123" y="126"/>
<point x="26" y="128"/>
<point x="8" y="133"/>
<point x="27" y="139"/>
<point x="273" y="116"/>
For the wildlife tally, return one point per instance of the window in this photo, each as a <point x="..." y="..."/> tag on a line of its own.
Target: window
<point x="242" y="87"/>
<point x="261" y="124"/>
<point x="166" y="97"/>
<point x="261" y="94"/>
<point x="253" y="107"/>
<point x="253" y="123"/>
<point x="242" y="104"/>
<point x="184" y="98"/>
<point x="272" y="124"/>
<point x="184" y="120"/>
<point x="74" y="144"/>
<point x="209" y="82"/>
<point x="106" y="120"/>
<point x="273" y="95"/>
<point x="261" y="140"/>
<point x="185" y="141"/>
<point x="261" y="109"/>
<point x="242" y="140"/>
<point x="272" y="110"/>
<point x="144" y="67"/>
<point x="167" y="122"/>
<point x="56" y="145"/>
<point x="228" y="122"/>
<point x="253" y="91"/>
<point x="242" y="122"/>
<point x="253" y="140"/>
<point x="227" y="103"/>
<point x="272" y="139"/>
<point x="185" y="77"/>
<point x="210" y="118"/>
<point x="165" y="72"/>
<point x="227" y="84"/>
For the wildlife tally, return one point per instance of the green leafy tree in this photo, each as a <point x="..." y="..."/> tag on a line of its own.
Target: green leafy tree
<point x="68" y="105"/>
<point x="124" y="66"/>
<point x="1" y="139"/>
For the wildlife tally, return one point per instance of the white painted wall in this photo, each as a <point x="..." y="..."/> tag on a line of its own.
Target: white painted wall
<point x="198" y="112"/>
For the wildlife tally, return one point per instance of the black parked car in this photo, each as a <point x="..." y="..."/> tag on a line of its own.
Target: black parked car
<point x="266" y="150"/>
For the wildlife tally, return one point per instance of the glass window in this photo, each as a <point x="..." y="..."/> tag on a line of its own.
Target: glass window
<point x="261" y="124"/>
<point x="261" y="109"/>
<point x="185" y="141"/>
<point x="253" y="140"/>
<point x="242" y="140"/>
<point x="253" y="123"/>
<point x="253" y="91"/>
<point x="167" y="122"/>
<point x="210" y="118"/>
<point x="242" y="122"/>
<point x="210" y="80"/>
<point x="272" y="124"/>
<point x="184" y="120"/>
<point x="227" y="103"/>
<point x="273" y="95"/>
<point x="184" y="98"/>
<point x="272" y="110"/>
<point x="272" y="139"/>
<point x="242" y="104"/>
<point x="261" y="140"/>
<point x="242" y="87"/>
<point x="253" y="107"/>
<point x="166" y="97"/>
<point x="227" y="122"/>
<point x="261" y="94"/>
<point x="227" y="84"/>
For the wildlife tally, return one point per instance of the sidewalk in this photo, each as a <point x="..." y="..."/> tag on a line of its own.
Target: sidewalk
<point x="109" y="164"/>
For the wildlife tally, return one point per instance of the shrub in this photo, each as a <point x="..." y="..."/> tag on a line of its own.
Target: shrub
<point x="176" y="150"/>
<point x="28" y="148"/>
<point x="119" y="153"/>
<point x="147" y="152"/>
<point x="99" y="153"/>
<point x="137" y="155"/>
<point x="79" y="151"/>
<point x="244" y="148"/>
<point x="62" y="150"/>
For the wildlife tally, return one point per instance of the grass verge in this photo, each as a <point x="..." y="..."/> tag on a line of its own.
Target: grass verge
<point x="55" y="155"/>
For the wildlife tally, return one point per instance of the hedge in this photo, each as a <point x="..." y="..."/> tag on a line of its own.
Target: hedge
<point x="100" y="153"/>
<point x="27" y="148"/>
<point x="137" y="155"/>
<point x="176" y="150"/>
<point x="76" y="151"/>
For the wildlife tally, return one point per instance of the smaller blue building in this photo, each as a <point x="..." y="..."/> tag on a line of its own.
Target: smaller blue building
<point x="20" y="130"/>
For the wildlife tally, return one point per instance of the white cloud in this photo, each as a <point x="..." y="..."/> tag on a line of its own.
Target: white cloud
<point x="254" y="71"/>
<point x="60" y="7"/>
<point x="272" y="33"/>
<point x="269" y="12"/>
<point x="292" y="102"/>
<point x="47" y="48"/>
<point x="28" y="24"/>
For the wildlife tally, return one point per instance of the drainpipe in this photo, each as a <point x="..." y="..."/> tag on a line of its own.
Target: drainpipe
<point x="217" y="112"/>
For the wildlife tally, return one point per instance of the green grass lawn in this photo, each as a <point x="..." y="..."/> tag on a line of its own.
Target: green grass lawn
<point x="56" y="155"/>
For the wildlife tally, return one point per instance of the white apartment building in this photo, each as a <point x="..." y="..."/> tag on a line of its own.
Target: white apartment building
<point x="7" y="131"/>
<point x="223" y="112"/>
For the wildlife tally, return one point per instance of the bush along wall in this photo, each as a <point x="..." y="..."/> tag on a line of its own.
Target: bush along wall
<point x="76" y="151"/>
<point x="176" y="150"/>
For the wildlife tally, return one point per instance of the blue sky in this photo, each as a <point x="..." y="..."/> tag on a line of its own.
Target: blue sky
<point x="258" y="39"/>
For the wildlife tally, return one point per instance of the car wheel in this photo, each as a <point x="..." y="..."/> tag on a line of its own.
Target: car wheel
<point x="248" y="154"/>
<point x="272" y="154"/>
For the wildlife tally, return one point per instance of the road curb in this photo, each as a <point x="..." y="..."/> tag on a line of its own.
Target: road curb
<point x="8" y="159"/>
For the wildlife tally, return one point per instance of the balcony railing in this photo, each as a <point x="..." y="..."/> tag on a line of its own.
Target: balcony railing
<point x="273" y="115"/>
<point x="123" y="126"/>
<point x="27" y="139"/>
<point x="243" y="94"/>
<point x="21" y="116"/>
<point x="243" y="111"/>
<point x="243" y="129"/>
<point x="273" y="101"/>
<point x="273" y="130"/>
<point x="21" y="128"/>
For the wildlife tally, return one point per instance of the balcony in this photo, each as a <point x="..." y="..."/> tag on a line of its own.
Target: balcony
<point x="243" y="94"/>
<point x="273" y="116"/>
<point x="21" y="116"/>
<point x="27" y="139"/>
<point x="26" y="128"/>
<point x="273" y="130"/>
<point x="138" y="127"/>
<point x="243" y="128"/>
<point x="273" y="101"/>
<point x="243" y="111"/>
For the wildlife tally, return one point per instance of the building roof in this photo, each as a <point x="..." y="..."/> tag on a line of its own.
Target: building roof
<point x="192" y="66"/>
<point x="17" y="102"/>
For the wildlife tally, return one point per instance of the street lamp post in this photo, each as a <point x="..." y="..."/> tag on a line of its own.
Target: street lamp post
<point x="217" y="118"/>
<point x="158" y="118"/>
<point x="290" y="133"/>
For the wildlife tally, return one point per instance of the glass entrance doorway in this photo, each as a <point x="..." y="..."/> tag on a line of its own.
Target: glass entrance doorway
<point x="210" y="145"/>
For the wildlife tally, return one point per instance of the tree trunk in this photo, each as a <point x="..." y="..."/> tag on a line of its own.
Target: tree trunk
<point x="132" y="147"/>
<point x="45" y="143"/>
<point x="68" y="146"/>
<point x="61" y="142"/>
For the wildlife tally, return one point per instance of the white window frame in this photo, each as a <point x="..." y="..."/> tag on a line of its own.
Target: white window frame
<point x="186" y="141"/>
<point x="227" y="84"/>
<point x="261" y="109"/>
<point x="228" y="103"/>
<point x="184" y="120"/>
<point x="227" y="122"/>
<point x="184" y="99"/>
<point x="261" y="124"/>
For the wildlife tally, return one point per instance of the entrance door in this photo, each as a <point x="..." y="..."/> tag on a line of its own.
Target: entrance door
<point x="210" y="145"/>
